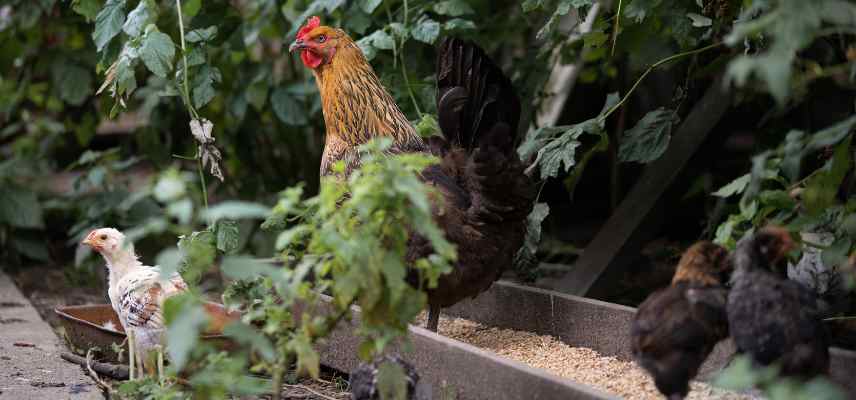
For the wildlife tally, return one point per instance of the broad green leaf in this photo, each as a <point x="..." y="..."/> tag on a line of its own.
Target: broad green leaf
<point x="649" y="139"/>
<point x="456" y="24"/>
<point x="108" y="22"/>
<point x="736" y="186"/>
<point x="201" y="35"/>
<point x="243" y="267"/>
<point x="234" y="210"/>
<point x="426" y="31"/>
<point x="30" y="247"/>
<point x="391" y="381"/>
<point x="170" y="187"/>
<point x="427" y="126"/>
<point x="198" y="254"/>
<point x="836" y="254"/>
<point x="533" y="226"/>
<point x="228" y="236"/>
<point x="531" y="5"/>
<point x="189" y="9"/>
<point x="20" y="207"/>
<point x="453" y="8"/>
<point x="699" y="21"/>
<point x="377" y="40"/>
<point x="308" y="360"/>
<point x="182" y="210"/>
<point x="157" y="52"/>
<point x="203" y="85"/>
<point x="794" y="148"/>
<point x="821" y="189"/>
<point x="73" y="82"/>
<point x="369" y="5"/>
<point x="87" y="8"/>
<point x="185" y="321"/>
<point x="168" y="260"/>
<point x="140" y="17"/>
<point x="831" y="135"/>
<point x="286" y="107"/>
<point x="249" y="336"/>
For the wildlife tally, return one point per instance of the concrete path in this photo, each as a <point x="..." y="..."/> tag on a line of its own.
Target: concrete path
<point x="30" y="367"/>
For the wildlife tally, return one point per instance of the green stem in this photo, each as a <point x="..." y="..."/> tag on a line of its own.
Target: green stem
<point x="201" y="172"/>
<point x="615" y="29"/>
<point x="186" y="86"/>
<point x="666" y="60"/>
<point x="404" y="69"/>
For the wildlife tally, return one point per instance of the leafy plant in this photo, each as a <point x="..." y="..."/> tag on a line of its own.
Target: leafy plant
<point x="741" y="375"/>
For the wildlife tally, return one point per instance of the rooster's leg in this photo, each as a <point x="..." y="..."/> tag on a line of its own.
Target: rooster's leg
<point x="131" y="354"/>
<point x="433" y="318"/>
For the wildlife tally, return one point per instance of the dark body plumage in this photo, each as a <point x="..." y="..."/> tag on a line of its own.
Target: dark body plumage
<point x="485" y="195"/>
<point x="676" y="328"/>
<point x="773" y="319"/>
<point x="363" y="379"/>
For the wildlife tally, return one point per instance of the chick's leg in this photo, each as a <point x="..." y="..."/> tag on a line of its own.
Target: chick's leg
<point x="130" y="334"/>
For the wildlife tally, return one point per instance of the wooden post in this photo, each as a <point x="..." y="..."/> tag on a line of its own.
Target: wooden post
<point x="615" y="236"/>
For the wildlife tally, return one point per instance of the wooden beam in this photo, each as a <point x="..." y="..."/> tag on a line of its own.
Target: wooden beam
<point x="615" y="236"/>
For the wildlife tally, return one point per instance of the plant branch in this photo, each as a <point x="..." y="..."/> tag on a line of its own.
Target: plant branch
<point x="666" y="60"/>
<point x="185" y="85"/>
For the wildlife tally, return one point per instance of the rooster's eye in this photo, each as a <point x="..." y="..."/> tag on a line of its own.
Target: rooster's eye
<point x="321" y="38"/>
<point x="103" y="237"/>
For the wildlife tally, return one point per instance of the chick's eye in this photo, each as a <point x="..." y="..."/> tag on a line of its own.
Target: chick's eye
<point x="103" y="237"/>
<point x="321" y="38"/>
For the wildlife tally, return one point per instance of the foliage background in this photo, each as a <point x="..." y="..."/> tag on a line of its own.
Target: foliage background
<point x="71" y="160"/>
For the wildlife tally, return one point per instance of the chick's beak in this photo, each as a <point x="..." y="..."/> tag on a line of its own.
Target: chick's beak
<point x="298" y="44"/>
<point x="90" y="241"/>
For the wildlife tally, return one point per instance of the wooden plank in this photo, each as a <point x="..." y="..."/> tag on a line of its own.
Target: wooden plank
<point x="617" y="235"/>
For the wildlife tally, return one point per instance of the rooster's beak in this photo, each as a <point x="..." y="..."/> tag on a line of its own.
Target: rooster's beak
<point x="298" y="44"/>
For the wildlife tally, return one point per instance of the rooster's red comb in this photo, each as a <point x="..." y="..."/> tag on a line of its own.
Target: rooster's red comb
<point x="311" y="24"/>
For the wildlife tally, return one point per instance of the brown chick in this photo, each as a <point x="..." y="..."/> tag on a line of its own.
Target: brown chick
<point x="773" y="319"/>
<point x="676" y="327"/>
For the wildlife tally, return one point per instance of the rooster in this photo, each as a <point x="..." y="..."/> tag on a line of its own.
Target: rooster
<point x="676" y="328"/>
<point x="137" y="293"/>
<point x="485" y="195"/>
<point x="771" y="318"/>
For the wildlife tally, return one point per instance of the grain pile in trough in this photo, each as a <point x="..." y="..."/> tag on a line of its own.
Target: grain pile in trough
<point x="584" y="365"/>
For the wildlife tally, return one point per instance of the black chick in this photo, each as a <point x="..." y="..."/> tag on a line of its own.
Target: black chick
<point x="363" y="380"/>
<point x="676" y="327"/>
<point x="773" y="319"/>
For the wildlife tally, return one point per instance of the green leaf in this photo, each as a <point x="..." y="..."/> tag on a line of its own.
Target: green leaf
<point x="198" y="254"/>
<point x="157" y="52"/>
<point x="736" y="186"/>
<point x="20" y="208"/>
<point x="286" y="107"/>
<point x="236" y="210"/>
<point x="426" y="31"/>
<point x="836" y="254"/>
<point x="649" y="139"/>
<point x="308" y="360"/>
<point x="185" y="321"/>
<point x="73" y="82"/>
<point x="140" y="17"/>
<point x="821" y="189"/>
<point x="249" y="336"/>
<point x="453" y="8"/>
<point x="182" y="210"/>
<point x="169" y="187"/>
<point x="531" y="5"/>
<point x="243" y="267"/>
<point x="203" y="85"/>
<point x="189" y="9"/>
<point x="793" y="150"/>
<point x="427" y="126"/>
<point x="228" y="236"/>
<point x="369" y="5"/>
<point x="108" y="23"/>
<point x="700" y="21"/>
<point x="201" y="35"/>
<point x="30" y="247"/>
<point x="831" y="135"/>
<point x="391" y="381"/>
<point x="87" y="8"/>
<point x="458" y="24"/>
<point x="377" y="40"/>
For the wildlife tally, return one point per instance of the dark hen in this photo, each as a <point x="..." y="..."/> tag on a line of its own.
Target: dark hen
<point x="676" y="328"/>
<point x="363" y="383"/>
<point x="480" y="175"/>
<point x="485" y="195"/>
<point x="773" y="319"/>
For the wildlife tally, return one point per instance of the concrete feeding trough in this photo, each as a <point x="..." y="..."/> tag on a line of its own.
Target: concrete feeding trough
<point x="451" y="369"/>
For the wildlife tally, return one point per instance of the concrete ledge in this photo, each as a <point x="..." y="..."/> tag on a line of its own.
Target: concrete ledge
<point x="30" y="365"/>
